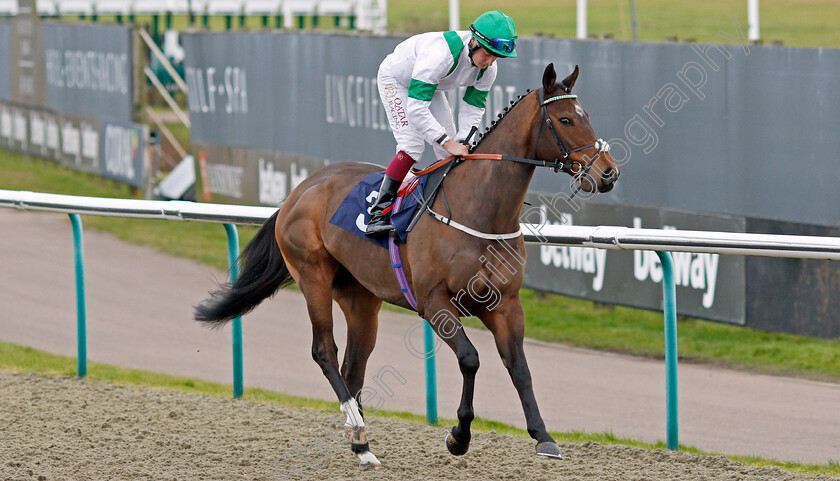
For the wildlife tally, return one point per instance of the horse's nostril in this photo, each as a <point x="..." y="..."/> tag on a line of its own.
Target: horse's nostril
<point x="610" y="175"/>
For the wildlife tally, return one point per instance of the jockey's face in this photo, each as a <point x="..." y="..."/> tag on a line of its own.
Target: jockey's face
<point x="482" y="58"/>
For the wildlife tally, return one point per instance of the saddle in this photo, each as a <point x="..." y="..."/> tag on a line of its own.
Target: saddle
<point x="436" y="172"/>
<point x="352" y="214"/>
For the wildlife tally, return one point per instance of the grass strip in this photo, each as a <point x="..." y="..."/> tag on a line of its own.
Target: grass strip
<point x="803" y="23"/>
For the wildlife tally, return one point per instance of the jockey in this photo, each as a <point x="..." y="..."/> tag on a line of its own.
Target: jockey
<point x="412" y="81"/>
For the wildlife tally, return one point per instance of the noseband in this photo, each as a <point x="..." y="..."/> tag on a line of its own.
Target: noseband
<point x="566" y="164"/>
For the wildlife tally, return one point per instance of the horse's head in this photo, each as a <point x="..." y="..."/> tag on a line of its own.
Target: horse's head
<point x="564" y="135"/>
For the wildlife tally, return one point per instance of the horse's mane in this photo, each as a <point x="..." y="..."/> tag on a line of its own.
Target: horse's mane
<point x="502" y="115"/>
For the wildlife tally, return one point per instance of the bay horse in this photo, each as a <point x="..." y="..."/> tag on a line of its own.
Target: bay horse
<point x="547" y="127"/>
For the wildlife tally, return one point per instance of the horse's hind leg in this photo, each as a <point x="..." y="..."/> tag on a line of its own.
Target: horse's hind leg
<point x="316" y="279"/>
<point x="361" y="309"/>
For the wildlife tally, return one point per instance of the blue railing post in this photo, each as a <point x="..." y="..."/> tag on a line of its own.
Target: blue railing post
<point x="233" y="253"/>
<point x="669" y="294"/>
<point x="431" y="373"/>
<point x="81" y="317"/>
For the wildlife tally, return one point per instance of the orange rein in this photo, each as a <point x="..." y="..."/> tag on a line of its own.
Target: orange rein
<point x="442" y="162"/>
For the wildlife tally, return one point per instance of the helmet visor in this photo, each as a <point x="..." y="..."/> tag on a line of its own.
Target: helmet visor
<point x="502" y="45"/>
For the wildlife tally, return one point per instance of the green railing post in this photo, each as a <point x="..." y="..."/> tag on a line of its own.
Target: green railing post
<point x="81" y="331"/>
<point x="431" y="373"/>
<point x="233" y="253"/>
<point x="156" y="29"/>
<point x="669" y="294"/>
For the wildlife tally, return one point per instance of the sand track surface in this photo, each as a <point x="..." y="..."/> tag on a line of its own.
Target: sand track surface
<point x="56" y="428"/>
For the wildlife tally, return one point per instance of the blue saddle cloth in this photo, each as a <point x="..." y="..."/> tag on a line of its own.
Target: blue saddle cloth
<point x="353" y="213"/>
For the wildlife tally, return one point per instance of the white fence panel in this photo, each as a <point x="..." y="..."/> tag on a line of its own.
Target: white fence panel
<point x="75" y="7"/>
<point x="263" y="7"/>
<point x="9" y="7"/>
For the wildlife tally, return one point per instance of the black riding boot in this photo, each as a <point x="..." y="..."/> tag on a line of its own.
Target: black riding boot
<point x="378" y="225"/>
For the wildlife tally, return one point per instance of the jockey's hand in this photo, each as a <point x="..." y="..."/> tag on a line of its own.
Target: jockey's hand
<point x="455" y="148"/>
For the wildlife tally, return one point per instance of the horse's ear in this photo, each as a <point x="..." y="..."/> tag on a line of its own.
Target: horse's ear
<point x="569" y="81"/>
<point x="549" y="77"/>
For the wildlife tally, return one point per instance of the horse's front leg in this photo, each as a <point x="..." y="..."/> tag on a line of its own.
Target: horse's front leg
<point x="438" y="311"/>
<point x="507" y="323"/>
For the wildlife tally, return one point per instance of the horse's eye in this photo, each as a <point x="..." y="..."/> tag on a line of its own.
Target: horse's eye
<point x="566" y="121"/>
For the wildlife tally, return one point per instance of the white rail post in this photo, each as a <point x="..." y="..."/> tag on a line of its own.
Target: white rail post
<point x="454" y="15"/>
<point x="581" y="19"/>
<point x="752" y="19"/>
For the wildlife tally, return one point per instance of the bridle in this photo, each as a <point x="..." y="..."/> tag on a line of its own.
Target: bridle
<point x="566" y="164"/>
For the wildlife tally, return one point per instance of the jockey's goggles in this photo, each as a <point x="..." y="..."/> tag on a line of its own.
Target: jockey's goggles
<point x="501" y="44"/>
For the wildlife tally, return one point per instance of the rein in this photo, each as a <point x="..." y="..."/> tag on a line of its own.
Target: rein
<point x="521" y="160"/>
<point x="566" y="164"/>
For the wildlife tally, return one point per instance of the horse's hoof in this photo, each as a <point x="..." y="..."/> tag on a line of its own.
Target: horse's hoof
<point x="455" y="448"/>
<point x="549" y="449"/>
<point x="368" y="461"/>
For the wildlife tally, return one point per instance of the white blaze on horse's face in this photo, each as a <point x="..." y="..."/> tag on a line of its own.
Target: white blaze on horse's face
<point x="590" y="164"/>
<point x="597" y="170"/>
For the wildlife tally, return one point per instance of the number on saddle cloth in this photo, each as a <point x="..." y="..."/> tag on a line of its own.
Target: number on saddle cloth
<point x="354" y="212"/>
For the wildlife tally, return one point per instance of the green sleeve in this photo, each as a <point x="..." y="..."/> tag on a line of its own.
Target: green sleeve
<point x="417" y="89"/>
<point x="475" y="97"/>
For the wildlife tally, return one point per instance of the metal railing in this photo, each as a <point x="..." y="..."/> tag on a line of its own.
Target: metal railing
<point x="663" y="242"/>
<point x="602" y="237"/>
<point x="142" y="209"/>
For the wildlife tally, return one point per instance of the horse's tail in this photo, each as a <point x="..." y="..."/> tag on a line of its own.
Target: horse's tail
<point x="263" y="272"/>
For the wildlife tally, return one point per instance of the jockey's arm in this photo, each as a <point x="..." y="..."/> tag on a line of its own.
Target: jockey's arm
<point x="427" y="72"/>
<point x="472" y="105"/>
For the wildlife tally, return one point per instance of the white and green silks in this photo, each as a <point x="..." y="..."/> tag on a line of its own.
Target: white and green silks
<point x="419" y="70"/>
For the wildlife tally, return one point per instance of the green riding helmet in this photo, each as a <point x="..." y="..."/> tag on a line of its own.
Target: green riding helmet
<point x="496" y="32"/>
